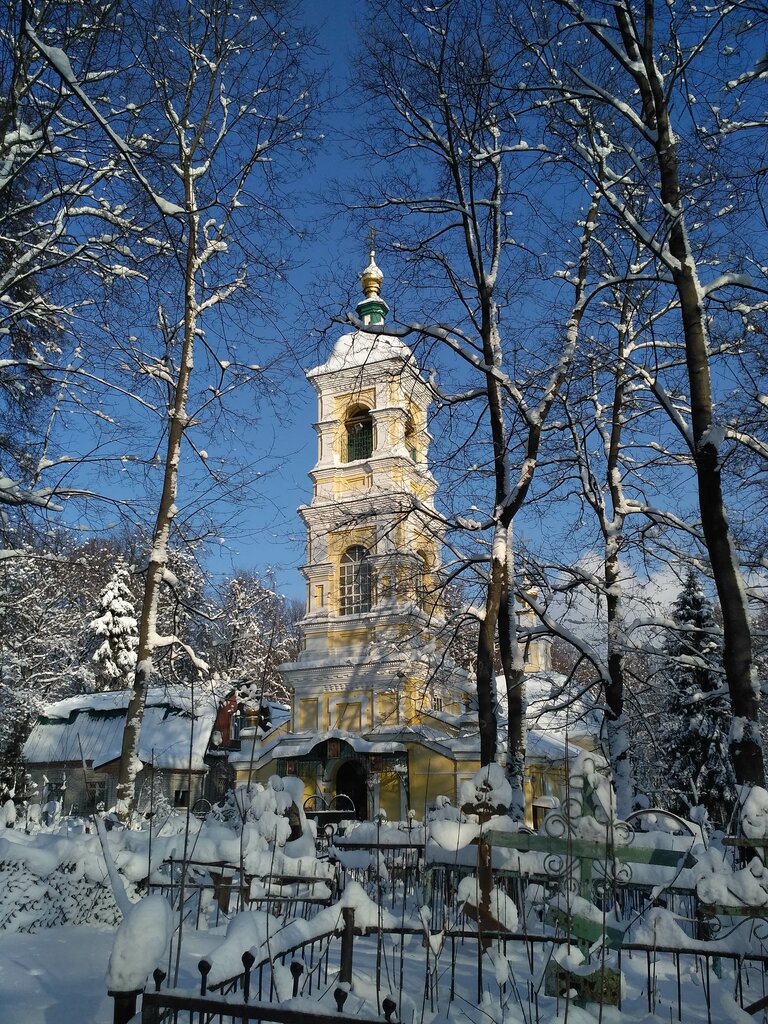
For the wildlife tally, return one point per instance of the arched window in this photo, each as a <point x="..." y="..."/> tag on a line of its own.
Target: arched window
<point x="354" y="581"/>
<point x="359" y="427"/>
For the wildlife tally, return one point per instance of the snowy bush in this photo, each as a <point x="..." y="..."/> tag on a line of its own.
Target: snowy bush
<point x="30" y="902"/>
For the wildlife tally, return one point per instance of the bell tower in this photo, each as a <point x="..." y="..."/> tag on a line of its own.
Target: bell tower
<point x="373" y="548"/>
<point x="377" y="704"/>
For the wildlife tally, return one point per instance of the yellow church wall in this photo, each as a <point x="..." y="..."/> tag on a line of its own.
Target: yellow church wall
<point x="388" y="706"/>
<point x="346" y="485"/>
<point x="309" y="714"/>
<point x="343" y="403"/>
<point x="389" y="795"/>
<point x="429" y="775"/>
<point x="340" y="540"/>
<point x="423" y="490"/>
<point x="413" y="698"/>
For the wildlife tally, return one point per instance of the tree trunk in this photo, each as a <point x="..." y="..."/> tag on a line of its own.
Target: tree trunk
<point x="514" y="676"/>
<point x="485" y="672"/>
<point x="129" y="752"/>
<point x="745" y="746"/>
<point x="613" y="535"/>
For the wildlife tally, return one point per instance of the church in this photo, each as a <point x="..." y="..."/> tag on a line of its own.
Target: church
<point x="381" y="718"/>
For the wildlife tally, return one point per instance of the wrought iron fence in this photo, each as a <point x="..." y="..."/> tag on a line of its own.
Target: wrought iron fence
<point x="322" y="967"/>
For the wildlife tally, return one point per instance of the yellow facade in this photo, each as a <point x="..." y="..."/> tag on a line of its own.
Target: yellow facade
<point x="376" y="701"/>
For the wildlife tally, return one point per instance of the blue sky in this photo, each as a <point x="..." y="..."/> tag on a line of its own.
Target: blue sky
<point x="267" y="531"/>
<point x="274" y="535"/>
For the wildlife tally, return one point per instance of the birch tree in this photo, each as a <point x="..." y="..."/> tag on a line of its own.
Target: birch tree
<point x="642" y="106"/>
<point x="462" y="157"/>
<point x="57" y="239"/>
<point x="223" y="97"/>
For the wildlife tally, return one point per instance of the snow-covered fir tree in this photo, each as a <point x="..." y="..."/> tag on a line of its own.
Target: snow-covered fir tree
<point x="117" y="627"/>
<point x="695" y="733"/>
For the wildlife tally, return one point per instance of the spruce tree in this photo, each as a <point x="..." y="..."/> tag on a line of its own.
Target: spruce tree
<point x="695" y="735"/>
<point x="117" y="627"/>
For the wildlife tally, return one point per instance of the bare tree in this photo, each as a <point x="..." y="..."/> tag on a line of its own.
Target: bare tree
<point x="62" y="245"/>
<point x="224" y="95"/>
<point x="641" y="108"/>
<point x="458" y="181"/>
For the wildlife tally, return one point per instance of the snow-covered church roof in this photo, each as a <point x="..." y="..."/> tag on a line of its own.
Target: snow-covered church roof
<point x="91" y="726"/>
<point x="555" y="706"/>
<point x="361" y="348"/>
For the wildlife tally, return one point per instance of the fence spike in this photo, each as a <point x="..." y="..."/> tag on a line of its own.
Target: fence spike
<point x="159" y="975"/>
<point x="248" y="961"/>
<point x="297" y="969"/>
<point x="205" y="969"/>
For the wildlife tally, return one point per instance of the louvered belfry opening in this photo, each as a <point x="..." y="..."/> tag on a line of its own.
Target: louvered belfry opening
<point x="359" y="426"/>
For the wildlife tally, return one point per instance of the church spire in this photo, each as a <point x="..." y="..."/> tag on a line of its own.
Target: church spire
<point x="373" y="309"/>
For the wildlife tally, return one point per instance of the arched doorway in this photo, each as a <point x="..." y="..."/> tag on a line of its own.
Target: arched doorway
<point x="350" y="781"/>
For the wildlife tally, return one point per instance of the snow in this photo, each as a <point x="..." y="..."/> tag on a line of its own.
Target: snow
<point x="89" y="722"/>
<point x="753" y="803"/>
<point x="141" y="944"/>
<point x="73" y="987"/>
<point x="555" y="709"/>
<point x="360" y="349"/>
<point x="489" y="786"/>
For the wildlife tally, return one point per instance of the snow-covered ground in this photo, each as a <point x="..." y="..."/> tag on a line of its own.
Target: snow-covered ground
<point x="58" y="884"/>
<point x="58" y="976"/>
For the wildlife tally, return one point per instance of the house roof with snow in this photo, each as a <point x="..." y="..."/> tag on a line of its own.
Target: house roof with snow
<point x="542" y="748"/>
<point x="555" y="706"/>
<point x="90" y="726"/>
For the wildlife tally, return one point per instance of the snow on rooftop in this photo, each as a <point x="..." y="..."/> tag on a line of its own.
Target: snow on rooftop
<point x="555" y="706"/>
<point x="361" y="348"/>
<point x="91" y="726"/>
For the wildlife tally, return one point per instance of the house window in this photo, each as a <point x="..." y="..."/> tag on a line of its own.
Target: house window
<point x="359" y="427"/>
<point x="97" y="795"/>
<point x="181" y="798"/>
<point x="437" y="703"/>
<point x="355" y="581"/>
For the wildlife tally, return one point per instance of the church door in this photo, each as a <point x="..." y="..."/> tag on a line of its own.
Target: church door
<point x="350" y="782"/>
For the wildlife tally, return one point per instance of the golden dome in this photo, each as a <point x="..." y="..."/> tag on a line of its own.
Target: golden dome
<point x="371" y="279"/>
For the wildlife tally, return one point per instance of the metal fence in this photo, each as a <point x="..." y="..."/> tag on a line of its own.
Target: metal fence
<point x="450" y="968"/>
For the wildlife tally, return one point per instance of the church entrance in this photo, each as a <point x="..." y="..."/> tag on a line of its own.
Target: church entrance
<point x="350" y="782"/>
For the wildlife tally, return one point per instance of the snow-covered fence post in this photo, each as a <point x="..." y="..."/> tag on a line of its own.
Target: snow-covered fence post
<point x="345" y="967"/>
<point x="124" y="1005"/>
<point x="141" y="943"/>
